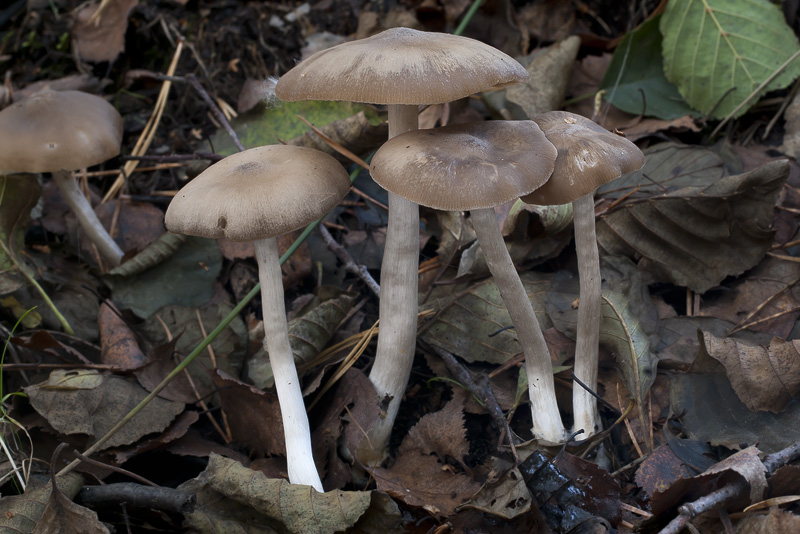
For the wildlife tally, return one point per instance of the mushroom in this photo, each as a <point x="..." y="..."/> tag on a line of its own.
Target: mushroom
<point x="588" y="157"/>
<point x="255" y="196"/>
<point x="58" y="132"/>
<point x="476" y="167"/>
<point x="403" y="68"/>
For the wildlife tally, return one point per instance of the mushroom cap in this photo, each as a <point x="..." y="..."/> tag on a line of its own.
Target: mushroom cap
<point x="465" y="166"/>
<point x="58" y="130"/>
<point x="259" y="193"/>
<point x="588" y="157"/>
<point x="401" y="66"/>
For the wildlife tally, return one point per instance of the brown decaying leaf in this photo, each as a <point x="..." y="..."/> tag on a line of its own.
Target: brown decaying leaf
<point x="691" y="230"/>
<point x="175" y="431"/>
<point x="296" y="268"/>
<point x="150" y="256"/>
<point x="550" y="70"/>
<point x="254" y="416"/>
<point x="660" y="469"/>
<point x="355" y="402"/>
<point x="298" y="508"/>
<point x="95" y="411"/>
<point x="778" y="521"/>
<point x="429" y="471"/>
<point x="744" y="465"/>
<point x="137" y="224"/>
<point x="309" y="332"/>
<point x="182" y="322"/>
<point x="765" y="379"/>
<point x="506" y="497"/>
<point x="117" y="341"/>
<point x="62" y="516"/>
<point x="467" y="315"/>
<point x="21" y="513"/>
<point x="772" y="277"/>
<point x="102" y="38"/>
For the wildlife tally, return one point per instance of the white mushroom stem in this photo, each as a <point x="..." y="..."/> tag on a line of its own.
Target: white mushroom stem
<point x="87" y="218"/>
<point x="397" y="337"/>
<point x="584" y="405"/>
<point x="299" y="458"/>
<point x="547" y="423"/>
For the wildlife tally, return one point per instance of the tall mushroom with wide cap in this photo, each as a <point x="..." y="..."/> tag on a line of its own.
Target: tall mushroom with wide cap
<point x="588" y="157"/>
<point x="402" y="68"/>
<point x="255" y="196"/>
<point x="58" y="132"/>
<point x="475" y="167"/>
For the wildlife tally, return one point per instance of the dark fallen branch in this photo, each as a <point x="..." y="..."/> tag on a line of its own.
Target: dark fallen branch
<point x="137" y="495"/>
<point x="728" y="493"/>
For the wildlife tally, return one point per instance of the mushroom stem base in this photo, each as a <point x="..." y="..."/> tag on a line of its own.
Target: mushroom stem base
<point x="299" y="458"/>
<point x="584" y="405"/>
<point x="547" y="423"/>
<point x="87" y="218"/>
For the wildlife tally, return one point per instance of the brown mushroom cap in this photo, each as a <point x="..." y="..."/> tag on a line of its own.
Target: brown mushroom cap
<point x="401" y="66"/>
<point x="465" y="166"/>
<point x="588" y="157"/>
<point x="259" y="193"/>
<point x="58" y="130"/>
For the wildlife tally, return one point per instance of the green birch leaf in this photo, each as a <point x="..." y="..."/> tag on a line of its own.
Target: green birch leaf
<point x="635" y="80"/>
<point x="719" y="51"/>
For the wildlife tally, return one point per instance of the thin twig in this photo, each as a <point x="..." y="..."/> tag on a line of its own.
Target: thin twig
<point x="349" y="264"/>
<point x="481" y="388"/>
<point x="218" y="114"/>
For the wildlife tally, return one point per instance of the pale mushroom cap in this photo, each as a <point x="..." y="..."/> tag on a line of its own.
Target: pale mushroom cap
<point x="465" y="166"/>
<point x="588" y="157"/>
<point x="58" y="130"/>
<point x="259" y="193"/>
<point x="401" y="66"/>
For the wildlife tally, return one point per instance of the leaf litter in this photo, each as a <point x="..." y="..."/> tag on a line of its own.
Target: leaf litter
<point x="698" y="321"/>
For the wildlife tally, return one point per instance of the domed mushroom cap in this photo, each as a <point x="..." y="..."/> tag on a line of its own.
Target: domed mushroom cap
<point x="465" y="166"/>
<point x="401" y="66"/>
<point x="588" y="157"/>
<point x="259" y="193"/>
<point x="58" y="130"/>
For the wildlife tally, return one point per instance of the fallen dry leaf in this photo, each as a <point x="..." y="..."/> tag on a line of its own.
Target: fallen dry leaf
<point x="778" y="521"/>
<point x="743" y="465"/>
<point x="765" y="379"/>
<point x="103" y="38"/>
<point x="95" y="410"/>
<point x="117" y="341"/>
<point x="352" y="410"/>
<point x="254" y="416"/>
<point x="429" y="472"/>
<point x="21" y="513"/>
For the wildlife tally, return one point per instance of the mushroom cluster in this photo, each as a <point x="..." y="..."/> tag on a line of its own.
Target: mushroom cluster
<point x="402" y="68"/>
<point x="257" y="195"/>
<point x="588" y="157"/>
<point x="475" y="167"/>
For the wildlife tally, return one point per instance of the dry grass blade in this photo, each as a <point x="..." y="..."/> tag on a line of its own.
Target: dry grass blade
<point x="143" y="143"/>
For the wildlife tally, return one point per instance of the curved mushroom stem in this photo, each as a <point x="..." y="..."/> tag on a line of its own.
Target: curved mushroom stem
<point x="397" y="338"/>
<point x="87" y="218"/>
<point x="547" y="423"/>
<point x="299" y="458"/>
<point x="584" y="405"/>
